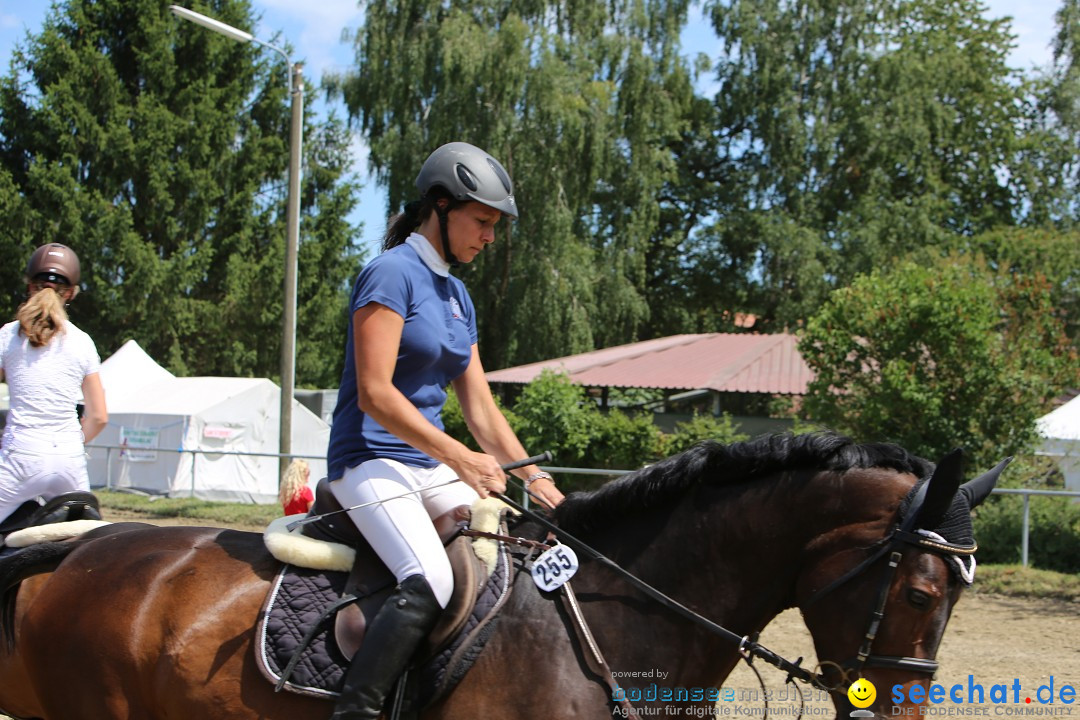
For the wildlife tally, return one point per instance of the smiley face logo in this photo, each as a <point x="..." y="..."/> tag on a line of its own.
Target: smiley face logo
<point x="862" y="693"/>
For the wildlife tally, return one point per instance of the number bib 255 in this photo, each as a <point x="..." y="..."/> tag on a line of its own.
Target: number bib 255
<point x="554" y="567"/>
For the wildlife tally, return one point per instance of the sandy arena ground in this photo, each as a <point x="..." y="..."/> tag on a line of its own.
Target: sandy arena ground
<point x="995" y="639"/>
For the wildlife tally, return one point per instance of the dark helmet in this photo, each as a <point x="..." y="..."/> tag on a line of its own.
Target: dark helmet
<point x="55" y="263"/>
<point x="468" y="173"/>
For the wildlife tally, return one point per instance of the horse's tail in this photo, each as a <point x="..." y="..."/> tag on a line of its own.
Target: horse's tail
<point x="32" y="560"/>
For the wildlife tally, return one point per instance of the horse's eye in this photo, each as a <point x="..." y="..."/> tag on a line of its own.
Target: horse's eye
<point x="918" y="599"/>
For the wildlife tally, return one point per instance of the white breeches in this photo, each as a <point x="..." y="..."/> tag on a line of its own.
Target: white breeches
<point x="36" y="467"/>
<point x="400" y="529"/>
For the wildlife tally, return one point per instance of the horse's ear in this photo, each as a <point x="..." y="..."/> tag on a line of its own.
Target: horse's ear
<point x="941" y="488"/>
<point x="979" y="489"/>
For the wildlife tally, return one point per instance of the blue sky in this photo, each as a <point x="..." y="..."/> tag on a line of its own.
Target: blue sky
<point x="314" y="28"/>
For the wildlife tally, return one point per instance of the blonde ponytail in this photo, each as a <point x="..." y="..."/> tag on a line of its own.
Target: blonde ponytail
<point x="42" y="316"/>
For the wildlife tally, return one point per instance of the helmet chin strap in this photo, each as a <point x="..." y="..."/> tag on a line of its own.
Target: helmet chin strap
<point x="448" y="255"/>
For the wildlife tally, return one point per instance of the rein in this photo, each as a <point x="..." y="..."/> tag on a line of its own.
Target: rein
<point x="747" y="647"/>
<point x="902" y="535"/>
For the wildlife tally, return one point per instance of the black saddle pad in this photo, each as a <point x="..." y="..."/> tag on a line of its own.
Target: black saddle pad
<point x="299" y="597"/>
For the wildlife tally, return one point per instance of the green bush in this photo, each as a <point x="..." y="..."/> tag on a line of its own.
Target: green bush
<point x="552" y="413"/>
<point x="932" y="355"/>
<point x="624" y="441"/>
<point x="456" y="427"/>
<point x="555" y="414"/>
<point x="1053" y="539"/>
<point x="701" y="427"/>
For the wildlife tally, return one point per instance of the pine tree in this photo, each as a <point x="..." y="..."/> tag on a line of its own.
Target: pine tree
<point x="158" y="151"/>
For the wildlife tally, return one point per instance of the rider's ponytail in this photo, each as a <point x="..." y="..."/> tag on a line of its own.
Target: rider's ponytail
<point x="42" y="316"/>
<point x="415" y="213"/>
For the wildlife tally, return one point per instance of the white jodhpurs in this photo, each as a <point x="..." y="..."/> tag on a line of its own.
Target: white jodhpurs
<point x="400" y="529"/>
<point x="30" y="468"/>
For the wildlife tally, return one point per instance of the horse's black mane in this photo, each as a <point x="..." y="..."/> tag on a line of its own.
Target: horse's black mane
<point x="713" y="463"/>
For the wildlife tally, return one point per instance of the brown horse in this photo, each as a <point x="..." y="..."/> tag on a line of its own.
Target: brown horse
<point x="135" y="621"/>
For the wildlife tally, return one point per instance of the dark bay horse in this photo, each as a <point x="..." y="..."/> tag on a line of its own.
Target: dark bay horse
<point x="136" y="621"/>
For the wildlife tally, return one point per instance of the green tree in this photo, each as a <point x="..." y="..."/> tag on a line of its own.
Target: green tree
<point x="856" y="132"/>
<point x="1066" y="95"/>
<point x="581" y="102"/>
<point x="1051" y="253"/>
<point x="1056" y="119"/>
<point x="158" y="150"/>
<point x="934" y="356"/>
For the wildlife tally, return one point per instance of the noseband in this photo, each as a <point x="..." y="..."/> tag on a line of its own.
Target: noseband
<point x="903" y="537"/>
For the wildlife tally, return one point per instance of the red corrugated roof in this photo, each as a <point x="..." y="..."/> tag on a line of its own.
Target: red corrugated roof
<point x="724" y="362"/>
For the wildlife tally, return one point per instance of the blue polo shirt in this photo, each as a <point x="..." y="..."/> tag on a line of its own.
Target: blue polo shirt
<point x="436" y="346"/>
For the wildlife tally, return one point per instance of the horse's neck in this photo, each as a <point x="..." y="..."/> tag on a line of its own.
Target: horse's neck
<point x="746" y="537"/>
<point x="730" y="554"/>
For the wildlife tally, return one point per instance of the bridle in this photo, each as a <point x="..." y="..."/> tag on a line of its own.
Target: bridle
<point x="903" y="537"/>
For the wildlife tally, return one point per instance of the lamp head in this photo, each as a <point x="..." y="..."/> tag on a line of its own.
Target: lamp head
<point x="215" y="25"/>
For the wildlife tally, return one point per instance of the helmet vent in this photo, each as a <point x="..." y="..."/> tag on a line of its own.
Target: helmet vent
<point x="501" y="174"/>
<point x="466" y="178"/>
<point x="51" y="277"/>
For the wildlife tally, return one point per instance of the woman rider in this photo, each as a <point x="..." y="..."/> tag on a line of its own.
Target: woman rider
<point x="49" y="364"/>
<point x="412" y="333"/>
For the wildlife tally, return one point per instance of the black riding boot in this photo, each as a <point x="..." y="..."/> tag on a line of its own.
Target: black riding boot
<point x="406" y="618"/>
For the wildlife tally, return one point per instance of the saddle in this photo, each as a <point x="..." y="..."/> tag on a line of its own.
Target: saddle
<point x="370" y="582"/>
<point x="63" y="508"/>
<point x="313" y="621"/>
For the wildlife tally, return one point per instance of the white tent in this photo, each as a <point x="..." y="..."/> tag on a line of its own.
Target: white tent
<point x="1060" y="430"/>
<point x="197" y="436"/>
<point x="127" y="371"/>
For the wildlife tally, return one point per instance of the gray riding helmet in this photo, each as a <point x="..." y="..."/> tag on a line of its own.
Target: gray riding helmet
<point x="469" y="173"/>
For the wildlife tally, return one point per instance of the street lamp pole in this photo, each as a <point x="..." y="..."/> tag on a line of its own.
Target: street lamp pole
<point x="292" y="219"/>
<point x="292" y="245"/>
